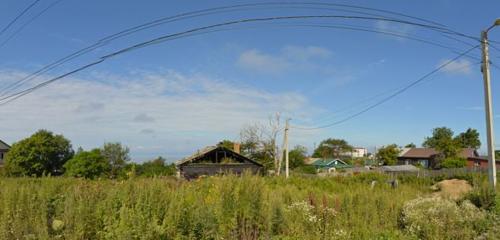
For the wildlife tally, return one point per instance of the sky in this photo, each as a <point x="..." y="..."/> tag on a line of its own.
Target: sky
<point x="172" y="98"/>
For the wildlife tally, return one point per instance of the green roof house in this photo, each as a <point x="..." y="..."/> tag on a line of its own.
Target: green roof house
<point x="330" y="164"/>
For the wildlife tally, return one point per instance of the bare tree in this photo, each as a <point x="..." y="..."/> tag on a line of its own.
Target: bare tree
<point x="260" y="141"/>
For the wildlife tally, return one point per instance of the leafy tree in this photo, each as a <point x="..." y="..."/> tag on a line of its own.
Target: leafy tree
<point x="41" y="153"/>
<point x="497" y="154"/>
<point x="297" y="156"/>
<point x="442" y="140"/>
<point x="87" y="164"/>
<point x="331" y="147"/>
<point x="469" y="139"/>
<point x="117" y="157"/>
<point x="454" y="163"/>
<point x="156" y="167"/>
<point x="410" y="145"/>
<point x="388" y="154"/>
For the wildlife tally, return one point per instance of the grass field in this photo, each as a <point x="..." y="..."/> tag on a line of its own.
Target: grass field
<point x="248" y="207"/>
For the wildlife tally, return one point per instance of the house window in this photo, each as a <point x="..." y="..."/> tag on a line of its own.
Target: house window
<point x="1" y="156"/>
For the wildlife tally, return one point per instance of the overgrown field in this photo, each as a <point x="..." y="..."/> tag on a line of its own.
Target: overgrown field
<point x="248" y="207"/>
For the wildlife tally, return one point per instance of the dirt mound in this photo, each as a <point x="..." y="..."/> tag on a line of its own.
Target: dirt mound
<point x="452" y="188"/>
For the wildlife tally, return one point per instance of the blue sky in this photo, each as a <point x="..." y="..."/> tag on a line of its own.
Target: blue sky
<point x="175" y="97"/>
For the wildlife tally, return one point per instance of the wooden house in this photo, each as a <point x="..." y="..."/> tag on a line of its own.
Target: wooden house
<point x="216" y="160"/>
<point x="4" y="148"/>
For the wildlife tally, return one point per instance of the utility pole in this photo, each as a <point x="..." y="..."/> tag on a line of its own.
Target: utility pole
<point x="287" y="128"/>
<point x="485" y="69"/>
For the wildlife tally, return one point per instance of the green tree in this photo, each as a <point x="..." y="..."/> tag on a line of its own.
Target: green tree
<point x="388" y="154"/>
<point x="87" y="164"/>
<point x="156" y="167"/>
<point x="469" y="139"/>
<point x="410" y="145"/>
<point x="117" y="157"/>
<point x="331" y="147"/>
<point x="497" y="154"/>
<point x="297" y="156"/>
<point x="41" y="153"/>
<point x="442" y="140"/>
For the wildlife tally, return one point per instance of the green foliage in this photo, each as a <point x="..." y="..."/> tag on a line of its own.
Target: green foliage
<point x="331" y="147"/>
<point x="454" y="163"/>
<point x="297" y="156"/>
<point x="156" y="167"/>
<point x="442" y="140"/>
<point x="307" y="169"/>
<point x="410" y="145"/>
<point x="388" y="154"/>
<point x="438" y="218"/>
<point x="231" y="207"/>
<point x="41" y="153"/>
<point x="469" y="139"/>
<point x="497" y="154"/>
<point x="87" y="164"/>
<point x="117" y="157"/>
<point x="483" y="196"/>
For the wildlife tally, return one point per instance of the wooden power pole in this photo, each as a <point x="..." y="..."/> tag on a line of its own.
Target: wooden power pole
<point x="287" y="128"/>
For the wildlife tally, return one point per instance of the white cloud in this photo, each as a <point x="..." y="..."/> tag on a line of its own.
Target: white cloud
<point x="168" y="114"/>
<point x="473" y="108"/>
<point x="396" y="28"/>
<point x="305" y="53"/>
<point x="289" y="58"/>
<point x="257" y="61"/>
<point x="462" y="66"/>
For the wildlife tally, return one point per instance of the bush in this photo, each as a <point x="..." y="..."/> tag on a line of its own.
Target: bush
<point x="437" y="218"/>
<point x="454" y="163"/>
<point x="483" y="196"/>
<point x="307" y="169"/>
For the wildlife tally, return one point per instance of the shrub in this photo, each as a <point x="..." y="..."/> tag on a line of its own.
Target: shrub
<point x="437" y="218"/>
<point x="483" y="196"/>
<point x="454" y="163"/>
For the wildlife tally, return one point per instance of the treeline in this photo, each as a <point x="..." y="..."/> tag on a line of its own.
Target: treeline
<point x="46" y="153"/>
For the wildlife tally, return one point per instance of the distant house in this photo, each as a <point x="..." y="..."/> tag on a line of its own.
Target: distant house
<point x="4" y="148"/>
<point x="330" y="164"/>
<point x="426" y="156"/>
<point x="480" y="163"/>
<point x="216" y="160"/>
<point x="357" y="152"/>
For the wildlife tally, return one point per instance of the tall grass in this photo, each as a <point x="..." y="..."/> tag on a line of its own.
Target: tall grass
<point x="230" y="207"/>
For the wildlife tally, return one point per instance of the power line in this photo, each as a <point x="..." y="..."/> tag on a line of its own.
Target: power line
<point x="28" y="22"/>
<point x="18" y="16"/>
<point x="200" y="30"/>
<point x="183" y="16"/>
<point x="392" y="95"/>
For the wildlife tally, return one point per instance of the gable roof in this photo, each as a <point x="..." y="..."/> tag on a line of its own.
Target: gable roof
<point x="431" y="152"/>
<point x="4" y="146"/>
<point x="200" y="154"/>
<point x="337" y="163"/>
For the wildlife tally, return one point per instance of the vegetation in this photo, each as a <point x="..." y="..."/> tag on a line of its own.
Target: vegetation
<point x="442" y="140"/>
<point x="117" y="156"/>
<point x="454" y="163"/>
<point x="410" y="145"/>
<point x="41" y="153"/>
<point x="332" y="148"/>
<point x="469" y="139"/>
<point x="87" y="164"/>
<point x="230" y="207"/>
<point x="388" y="155"/>
<point x="297" y="156"/>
